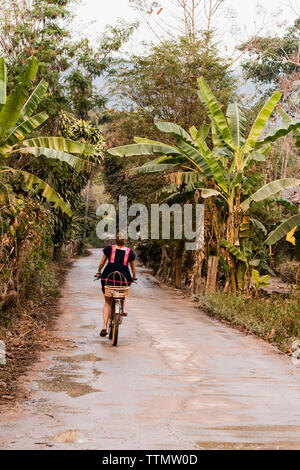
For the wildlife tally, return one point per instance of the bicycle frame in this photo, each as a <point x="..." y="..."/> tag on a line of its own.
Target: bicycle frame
<point x="116" y="311"/>
<point x="117" y="307"/>
<point x="116" y="318"/>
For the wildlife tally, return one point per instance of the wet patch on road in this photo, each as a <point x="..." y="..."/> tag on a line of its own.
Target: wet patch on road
<point x="65" y="383"/>
<point x="78" y="358"/>
<point x="70" y="435"/>
<point x="211" y="445"/>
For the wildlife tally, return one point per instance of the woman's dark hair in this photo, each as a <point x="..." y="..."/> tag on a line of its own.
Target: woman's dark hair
<point x="120" y="239"/>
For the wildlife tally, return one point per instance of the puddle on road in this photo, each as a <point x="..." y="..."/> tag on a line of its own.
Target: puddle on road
<point x="211" y="445"/>
<point x="70" y="435"/>
<point x="260" y="428"/>
<point x="65" y="383"/>
<point x="79" y="358"/>
<point x="88" y="327"/>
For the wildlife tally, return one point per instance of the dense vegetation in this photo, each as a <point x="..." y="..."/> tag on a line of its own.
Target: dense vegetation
<point x="187" y="135"/>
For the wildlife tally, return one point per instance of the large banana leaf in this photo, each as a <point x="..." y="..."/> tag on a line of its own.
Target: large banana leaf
<point x="195" y="157"/>
<point x="30" y="72"/>
<point x="215" y="111"/>
<point x="3" y="78"/>
<point x="144" y="140"/>
<point x="205" y="193"/>
<point x="237" y="123"/>
<point x="280" y="132"/>
<point x="33" y="182"/>
<point x="216" y="137"/>
<point x="214" y="164"/>
<point x="233" y="250"/>
<point x="143" y="149"/>
<point x="185" y="177"/>
<point x="11" y="110"/>
<point x="259" y="225"/>
<point x="175" y="130"/>
<point x="283" y="229"/>
<point x="288" y="120"/>
<point x="26" y="127"/>
<point x="258" y="157"/>
<point x="34" y="99"/>
<point x="170" y="189"/>
<point x="261" y="121"/>
<point x="154" y="168"/>
<point x="269" y="190"/>
<point x="201" y="132"/>
<point x="61" y="144"/>
<point x="72" y="160"/>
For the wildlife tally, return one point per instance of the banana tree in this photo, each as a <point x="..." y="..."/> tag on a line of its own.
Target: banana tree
<point x="282" y="230"/>
<point x="17" y="123"/>
<point x="219" y="172"/>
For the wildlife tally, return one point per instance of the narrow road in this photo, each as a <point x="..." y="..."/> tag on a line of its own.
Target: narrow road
<point x="177" y="380"/>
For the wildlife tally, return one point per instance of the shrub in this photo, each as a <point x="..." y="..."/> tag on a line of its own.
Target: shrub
<point x="288" y="271"/>
<point x="276" y="319"/>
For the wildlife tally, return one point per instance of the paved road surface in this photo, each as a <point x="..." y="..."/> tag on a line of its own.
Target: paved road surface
<point x="177" y="380"/>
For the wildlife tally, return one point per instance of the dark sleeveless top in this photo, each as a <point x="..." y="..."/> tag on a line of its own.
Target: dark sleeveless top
<point x="117" y="265"/>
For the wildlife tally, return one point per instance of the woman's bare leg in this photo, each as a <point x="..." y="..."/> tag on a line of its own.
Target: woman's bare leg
<point x="106" y="312"/>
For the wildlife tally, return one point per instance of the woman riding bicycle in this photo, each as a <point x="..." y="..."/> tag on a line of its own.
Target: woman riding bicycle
<point x="118" y="257"/>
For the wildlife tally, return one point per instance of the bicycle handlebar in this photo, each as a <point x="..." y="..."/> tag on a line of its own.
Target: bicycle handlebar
<point x="97" y="278"/>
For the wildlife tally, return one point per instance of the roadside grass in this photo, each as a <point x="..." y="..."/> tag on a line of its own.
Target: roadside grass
<point x="275" y="319"/>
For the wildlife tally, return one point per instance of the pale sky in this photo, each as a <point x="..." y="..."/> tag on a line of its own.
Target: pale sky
<point x="237" y="21"/>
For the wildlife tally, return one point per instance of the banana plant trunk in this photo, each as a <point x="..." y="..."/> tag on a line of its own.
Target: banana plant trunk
<point x="178" y="264"/>
<point x="233" y="229"/>
<point x="162" y="272"/>
<point x="196" y="273"/>
<point x="86" y="209"/>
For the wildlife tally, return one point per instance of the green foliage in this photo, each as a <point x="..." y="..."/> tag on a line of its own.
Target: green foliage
<point x="271" y="58"/>
<point x="283" y="229"/>
<point x="288" y="271"/>
<point x="68" y="181"/>
<point x="42" y="28"/>
<point x="234" y="250"/>
<point x="259" y="281"/>
<point x="162" y="82"/>
<point x="276" y="318"/>
<point x="26" y="235"/>
<point x="16" y="123"/>
<point x="223" y="170"/>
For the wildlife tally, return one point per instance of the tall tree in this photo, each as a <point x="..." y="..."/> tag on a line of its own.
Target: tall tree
<point x="43" y="28"/>
<point x="162" y="83"/>
<point x="271" y="59"/>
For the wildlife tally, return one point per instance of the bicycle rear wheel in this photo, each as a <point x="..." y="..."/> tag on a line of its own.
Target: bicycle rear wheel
<point x="111" y="319"/>
<point x="110" y="330"/>
<point x="115" y="329"/>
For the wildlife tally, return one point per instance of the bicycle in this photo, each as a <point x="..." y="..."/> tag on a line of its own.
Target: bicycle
<point x="117" y="292"/>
